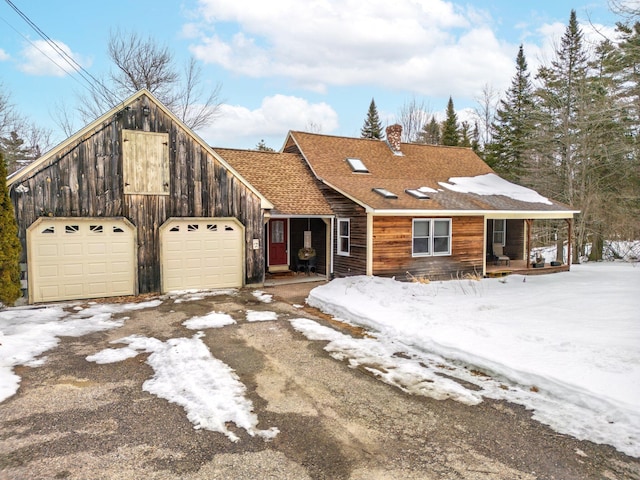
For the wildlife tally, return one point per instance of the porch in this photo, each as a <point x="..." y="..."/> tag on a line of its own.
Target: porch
<point x="519" y="267"/>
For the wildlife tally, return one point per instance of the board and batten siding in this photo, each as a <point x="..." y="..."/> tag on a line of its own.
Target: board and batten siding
<point x="86" y="179"/>
<point x="392" y="249"/>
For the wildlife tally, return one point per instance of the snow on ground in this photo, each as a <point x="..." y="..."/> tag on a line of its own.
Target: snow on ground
<point x="179" y="296"/>
<point x="263" y="297"/>
<point x="261" y="316"/>
<point x="185" y="373"/>
<point x="27" y="333"/>
<point x="565" y="345"/>
<point x="211" y="320"/>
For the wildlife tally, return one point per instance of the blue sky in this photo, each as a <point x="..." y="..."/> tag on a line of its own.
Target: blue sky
<point x="290" y="65"/>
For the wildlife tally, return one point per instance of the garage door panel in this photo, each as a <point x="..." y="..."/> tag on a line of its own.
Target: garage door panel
<point x="48" y="250"/>
<point x="81" y="258"/>
<point x="201" y="254"/>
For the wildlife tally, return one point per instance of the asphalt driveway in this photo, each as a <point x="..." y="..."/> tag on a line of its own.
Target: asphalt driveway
<point x="75" y="419"/>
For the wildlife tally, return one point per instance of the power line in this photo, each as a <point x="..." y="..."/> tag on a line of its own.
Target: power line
<point x="90" y="80"/>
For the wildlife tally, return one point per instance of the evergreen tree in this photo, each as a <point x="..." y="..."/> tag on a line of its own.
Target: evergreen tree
<point x="430" y="133"/>
<point x="562" y="102"/>
<point x="262" y="147"/>
<point x="465" y="134"/>
<point x="372" y="127"/>
<point x="9" y="244"/>
<point x="512" y="128"/>
<point x="450" y="131"/>
<point x="15" y="151"/>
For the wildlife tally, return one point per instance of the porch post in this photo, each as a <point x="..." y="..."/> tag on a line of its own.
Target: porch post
<point x="569" y="235"/>
<point x="529" y="224"/>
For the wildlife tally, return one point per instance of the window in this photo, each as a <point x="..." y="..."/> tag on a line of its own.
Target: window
<point x="357" y="165"/>
<point x="499" y="231"/>
<point x="431" y="236"/>
<point x="344" y="239"/>
<point x="417" y="193"/>
<point x="384" y="192"/>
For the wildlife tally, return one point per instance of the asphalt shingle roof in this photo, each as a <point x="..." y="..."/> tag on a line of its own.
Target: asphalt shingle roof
<point x="418" y="166"/>
<point x="283" y="178"/>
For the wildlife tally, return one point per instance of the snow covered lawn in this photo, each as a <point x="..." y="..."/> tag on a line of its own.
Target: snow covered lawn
<point x="565" y="345"/>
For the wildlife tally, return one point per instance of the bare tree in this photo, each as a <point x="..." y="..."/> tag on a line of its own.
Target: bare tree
<point x="413" y="116"/>
<point x="629" y="9"/>
<point x="485" y="112"/>
<point x="143" y="63"/>
<point x="63" y="117"/>
<point x="8" y="114"/>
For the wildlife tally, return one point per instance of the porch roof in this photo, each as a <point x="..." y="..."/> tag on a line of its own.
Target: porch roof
<point x="283" y="178"/>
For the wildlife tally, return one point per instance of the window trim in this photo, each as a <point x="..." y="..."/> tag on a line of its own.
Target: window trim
<point x="339" y="236"/>
<point x="431" y="237"/>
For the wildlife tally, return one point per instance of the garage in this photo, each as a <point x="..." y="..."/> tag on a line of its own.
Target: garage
<point x="76" y="258"/>
<point x="201" y="253"/>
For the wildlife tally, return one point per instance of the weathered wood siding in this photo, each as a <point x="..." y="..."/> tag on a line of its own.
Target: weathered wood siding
<point x="514" y="247"/>
<point x="356" y="262"/>
<point x="86" y="180"/>
<point x="392" y="249"/>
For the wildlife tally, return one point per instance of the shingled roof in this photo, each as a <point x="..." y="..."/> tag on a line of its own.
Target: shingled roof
<point x="283" y="178"/>
<point x="414" y="166"/>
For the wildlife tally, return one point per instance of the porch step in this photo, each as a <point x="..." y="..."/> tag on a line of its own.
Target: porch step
<point x="498" y="273"/>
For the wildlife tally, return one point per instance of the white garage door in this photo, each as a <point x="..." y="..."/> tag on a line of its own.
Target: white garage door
<point x="74" y="258"/>
<point x="201" y="254"/>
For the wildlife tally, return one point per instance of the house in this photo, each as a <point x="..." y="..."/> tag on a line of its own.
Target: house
<point x="137" y="203"/>
<point x="420" y="210"/>
<point x="133" y="203"/>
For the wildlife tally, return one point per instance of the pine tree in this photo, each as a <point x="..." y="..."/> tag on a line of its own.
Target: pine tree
<point x="9" y="244"/>
<point x="430" y="133"/>
<point x="450" y="131"/>
<point x="263" y="147"/>
<point x="562" y="102"/>
<point x="512" y="128"/>
<point x="15" y="152"/>
<point x="372" y="127"/>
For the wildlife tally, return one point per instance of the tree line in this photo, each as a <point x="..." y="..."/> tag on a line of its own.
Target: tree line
<point x="570" y="131"/>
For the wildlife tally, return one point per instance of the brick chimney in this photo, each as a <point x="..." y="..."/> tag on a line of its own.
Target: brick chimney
<point x="394" y="134"/>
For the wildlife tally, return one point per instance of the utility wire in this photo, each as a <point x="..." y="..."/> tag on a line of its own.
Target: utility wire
<point x="90" y="80"/>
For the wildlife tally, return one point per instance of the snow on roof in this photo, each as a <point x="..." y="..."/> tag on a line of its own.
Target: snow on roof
<point x="492" y="184"/>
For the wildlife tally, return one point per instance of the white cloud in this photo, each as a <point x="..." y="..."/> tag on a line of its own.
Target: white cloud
<point x="40" y="58"/>
<point x="420" y="46"/>
<point x="241" y="127"/>
<point x="4" y="56"/>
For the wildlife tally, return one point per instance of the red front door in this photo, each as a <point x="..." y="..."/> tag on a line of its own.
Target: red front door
<point x="278" y="242"/>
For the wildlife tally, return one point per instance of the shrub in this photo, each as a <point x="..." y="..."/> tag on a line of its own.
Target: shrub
<point x="9" y="244"/>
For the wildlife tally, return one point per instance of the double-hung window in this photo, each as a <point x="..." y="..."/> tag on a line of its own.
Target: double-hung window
<point x="499" y="231"/>
<point x="344" y="236"/>
<point x="431" y="236"/>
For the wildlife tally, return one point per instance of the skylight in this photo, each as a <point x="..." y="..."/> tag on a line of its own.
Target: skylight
<point x="357" y="165"/>
<point x="384" y="192"/>
<point x="417" y="193"/>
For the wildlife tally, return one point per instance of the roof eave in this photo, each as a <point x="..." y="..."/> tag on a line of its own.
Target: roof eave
<point x="511" y="214"/>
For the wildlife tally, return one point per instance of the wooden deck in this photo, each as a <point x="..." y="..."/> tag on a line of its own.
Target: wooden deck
<point x="519" y="267"/>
